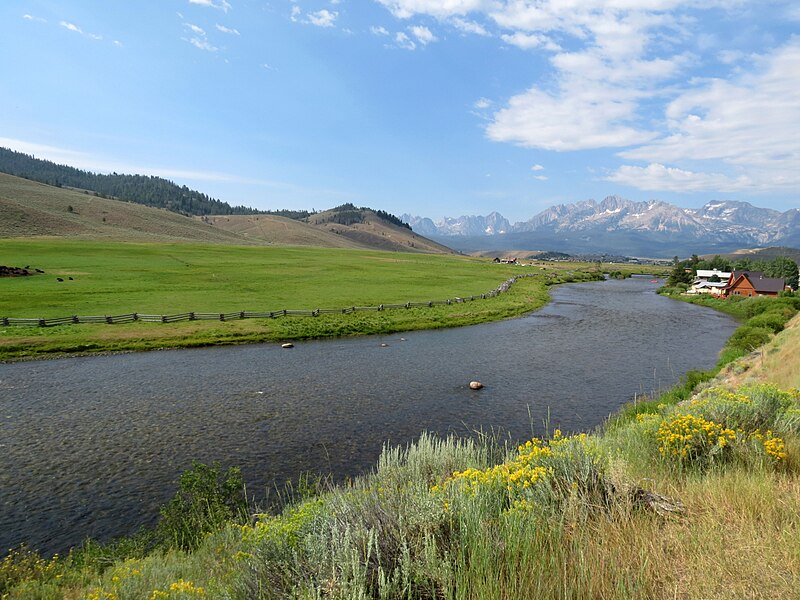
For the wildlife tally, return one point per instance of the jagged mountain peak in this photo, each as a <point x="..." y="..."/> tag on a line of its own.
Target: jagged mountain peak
<point x="588" y="223"/>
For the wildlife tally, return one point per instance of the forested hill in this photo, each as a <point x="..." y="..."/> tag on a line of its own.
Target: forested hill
<point x="142" y="189"/>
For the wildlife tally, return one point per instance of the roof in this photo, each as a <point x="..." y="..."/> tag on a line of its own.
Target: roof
<point x="706" y="273"/>
<point x="759" y="282"/>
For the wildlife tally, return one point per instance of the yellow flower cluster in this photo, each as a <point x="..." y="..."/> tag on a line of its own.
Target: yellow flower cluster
<point x="520" y="473"/>
<point x="688" y="438"/>
<point x="531" y="465"/>
<point x="773" y="446"/>
<point x="21" y="564"/>
<point x="101" y="595"/>
<point x="179" y="589"/>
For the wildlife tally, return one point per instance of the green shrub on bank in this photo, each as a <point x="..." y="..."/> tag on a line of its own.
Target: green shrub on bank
<point x="748" y="338"/>
<point x="206" y="500"/>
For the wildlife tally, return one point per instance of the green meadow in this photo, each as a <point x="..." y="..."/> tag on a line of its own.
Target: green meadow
<point x="150" y="278"/>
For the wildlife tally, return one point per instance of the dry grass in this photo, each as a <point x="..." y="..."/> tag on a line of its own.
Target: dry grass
<point x="776" y="362"/>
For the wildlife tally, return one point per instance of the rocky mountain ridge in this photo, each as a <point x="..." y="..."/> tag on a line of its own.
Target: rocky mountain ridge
<point x="645" y="225"/>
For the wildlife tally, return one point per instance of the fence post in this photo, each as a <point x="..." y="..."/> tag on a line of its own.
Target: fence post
<point x="241" y="315"/>
<point x="109" y="321"/>
<point x="41" y="323"/>
<point x="163" y="318"/>
<point x="5" y="321"/>
<point x="135" y="316"/>
<point x="221" y="316"/>
<point x="75" y="319"/>
<point x="191" y="316"/>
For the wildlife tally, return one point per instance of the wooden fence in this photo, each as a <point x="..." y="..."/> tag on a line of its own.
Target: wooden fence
<point x="200" y="316"/>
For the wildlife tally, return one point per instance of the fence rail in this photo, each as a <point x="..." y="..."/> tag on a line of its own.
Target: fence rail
<point x="231" y="316"/>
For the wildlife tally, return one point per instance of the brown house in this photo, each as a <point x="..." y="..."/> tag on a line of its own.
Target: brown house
<point x="752" y="283"/>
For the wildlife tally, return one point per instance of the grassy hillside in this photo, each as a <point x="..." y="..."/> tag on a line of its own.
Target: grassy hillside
<point x="370" y="231"/>
<point x="33" y="209"/>
<point x="693" y="495"/>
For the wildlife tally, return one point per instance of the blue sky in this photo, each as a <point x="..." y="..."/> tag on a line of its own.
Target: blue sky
<point x="428" y="107"/>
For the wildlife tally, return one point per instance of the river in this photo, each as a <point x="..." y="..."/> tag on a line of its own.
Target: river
<point x="91" y="446"/>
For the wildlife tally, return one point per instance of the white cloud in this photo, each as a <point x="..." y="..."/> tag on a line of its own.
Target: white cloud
<point x="222" y="5"/>
<point x="423" y="34"/>
<point x="657" y="177"/>
<point x="482" y="103"/>
<point x="71" y="27"/>
<point x="469" y="26"/>
<point x="537" y="168"/>
<point x="196" y="29"/>
<point x="229" y="30"/>
<point x="540" y="177"/>
<point x="76" y="29"/>
<point x="295" y="16"/>
<point x="403" y="41"/>
<point x="579" y="117"/>
<point x="750" y="125"/>
<point x="404" y="9"/>
<point x="528" y="41"/>
<point x="378" y="30"/>
<point x="202" y="44"/>
<point x="32" y="18"/>
<point x="323" y="18"/>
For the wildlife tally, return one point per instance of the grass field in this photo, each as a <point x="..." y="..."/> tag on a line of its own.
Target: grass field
<point x="117" y="278"/>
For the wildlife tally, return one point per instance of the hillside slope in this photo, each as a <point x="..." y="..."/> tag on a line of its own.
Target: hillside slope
<point x="335" y="228"/>
<point x="31" y="209"/>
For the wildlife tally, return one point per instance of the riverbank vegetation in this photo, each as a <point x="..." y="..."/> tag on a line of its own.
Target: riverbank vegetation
<point x="693" y="494"/>
<point x="101" y="278"/>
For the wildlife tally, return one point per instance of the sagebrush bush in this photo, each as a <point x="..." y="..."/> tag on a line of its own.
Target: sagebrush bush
<point x="749" y="338"/>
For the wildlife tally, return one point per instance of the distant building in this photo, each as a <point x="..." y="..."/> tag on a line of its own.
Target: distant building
<point x="752" y="283"/>
<point x="709" y="282"/>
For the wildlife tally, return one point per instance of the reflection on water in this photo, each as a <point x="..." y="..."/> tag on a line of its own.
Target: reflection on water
<point x="92" y="446"/>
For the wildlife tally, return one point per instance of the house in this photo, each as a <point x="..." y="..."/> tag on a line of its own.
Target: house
<point x="752" y="283"/>
<point x="709" y="282"/>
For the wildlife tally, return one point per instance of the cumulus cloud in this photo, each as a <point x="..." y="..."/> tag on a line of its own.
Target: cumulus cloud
<point x="750" y="125"/>
<point x="537" y="168"/>
<point x="378" y="30"/>
<point x="657" y="177"/>
<point x="404" y="9"/>
<point x="423" y="34"/>
<point x="322" y="18"/>
<point x="222" y="5"/>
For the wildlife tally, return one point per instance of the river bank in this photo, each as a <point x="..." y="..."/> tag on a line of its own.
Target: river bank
<point x="93" y="278"/>
<point x="701" y="499"/>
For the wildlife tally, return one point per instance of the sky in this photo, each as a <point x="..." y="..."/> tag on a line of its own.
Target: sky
<point x="428" y="107"/>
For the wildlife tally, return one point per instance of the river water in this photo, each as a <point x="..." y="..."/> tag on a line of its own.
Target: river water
<point x="91" y="446"/>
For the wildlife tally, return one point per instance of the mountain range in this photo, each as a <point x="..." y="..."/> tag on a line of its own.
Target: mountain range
<point x="650" y="228"/>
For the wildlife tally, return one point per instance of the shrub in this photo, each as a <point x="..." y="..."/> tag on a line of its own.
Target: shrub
<point x="692" y="440"/>
<point x="749" y="338"/>
<point x="205" y="502"/>
<point x="772" y="320"/>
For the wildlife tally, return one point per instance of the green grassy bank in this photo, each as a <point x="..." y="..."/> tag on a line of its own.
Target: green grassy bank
<point x="120" y="278"/>
<point x="693" y="495"/>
